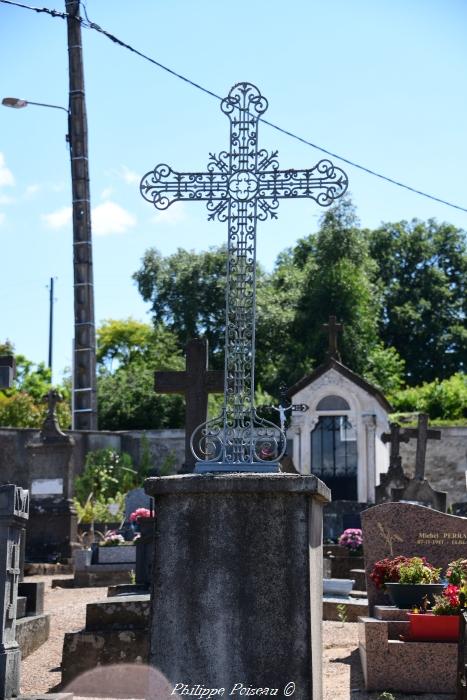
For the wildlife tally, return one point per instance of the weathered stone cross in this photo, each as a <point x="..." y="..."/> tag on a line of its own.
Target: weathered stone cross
<point x="423" y="434"/>
<point x="241" y="186"/>
<point x="195" y="383"/>
<point x="333" y="329"/>
<point x="395" y="437"/>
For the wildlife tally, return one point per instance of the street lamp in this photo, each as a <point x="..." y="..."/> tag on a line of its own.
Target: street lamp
<point x="84" y="403"/>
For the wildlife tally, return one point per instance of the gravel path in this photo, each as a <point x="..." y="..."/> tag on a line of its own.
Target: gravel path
<point x="342" y="673"/>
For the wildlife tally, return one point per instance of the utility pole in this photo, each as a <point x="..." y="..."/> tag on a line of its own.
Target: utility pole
<point x="51" y="323"/>
<point x="84" y="364"/>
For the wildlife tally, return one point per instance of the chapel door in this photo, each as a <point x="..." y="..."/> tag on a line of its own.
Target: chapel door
<point x="334" y="456"/>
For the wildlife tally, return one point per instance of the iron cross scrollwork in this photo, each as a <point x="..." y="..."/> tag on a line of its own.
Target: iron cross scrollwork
<point x="241" y="186"/>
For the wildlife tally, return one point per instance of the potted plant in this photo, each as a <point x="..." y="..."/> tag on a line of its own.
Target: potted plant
<point x="352" y="540"/>
<point x="407" y="580"/>
<point x="442" y="622"/>
<point x="113" y="549"/>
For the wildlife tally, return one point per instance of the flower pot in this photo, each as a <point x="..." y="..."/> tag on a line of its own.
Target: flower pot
<point x="409" y="595"/>
<point x="337" y="586"/>
<point x="426" y="627"/>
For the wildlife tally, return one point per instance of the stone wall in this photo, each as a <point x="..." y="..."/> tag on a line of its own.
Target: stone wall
<point x="15" y="464"/>
<point x="446" y="462"/>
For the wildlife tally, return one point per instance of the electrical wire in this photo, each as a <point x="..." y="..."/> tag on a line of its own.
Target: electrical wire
<point x="85" y="22"/>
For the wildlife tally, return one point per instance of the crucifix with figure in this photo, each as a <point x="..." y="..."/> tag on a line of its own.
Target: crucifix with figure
<point x="241" y="186"/>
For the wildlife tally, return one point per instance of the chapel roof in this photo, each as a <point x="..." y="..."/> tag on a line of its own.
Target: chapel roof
<point x="333" y="363"/>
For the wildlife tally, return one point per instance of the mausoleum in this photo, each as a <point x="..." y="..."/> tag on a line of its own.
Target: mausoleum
<point x="339" y="438"/>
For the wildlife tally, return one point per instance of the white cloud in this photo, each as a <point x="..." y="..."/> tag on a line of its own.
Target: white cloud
<point x="129" y="176"/>
<point x="106" y="218"/>
<point x="175" y="214"/>
<point x="5" y="199"/>
<point x="6" y="176"/>
<point x="105" y="194"/>
<point x="110" y="217"/>
<point x="31" y="190"/>
<point x="2" y="218"/>
<point x="57" y="219"/>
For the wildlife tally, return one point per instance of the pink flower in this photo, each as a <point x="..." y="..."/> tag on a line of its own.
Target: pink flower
<point x="139" y="513"/>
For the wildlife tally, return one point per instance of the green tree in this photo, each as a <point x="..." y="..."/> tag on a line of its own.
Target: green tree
<point x="126" y="396"/>
<point x="24" y="404"/>
<point x="337" y="280"/>
<point x="186" y="291"/>
<point x="422" y="272"/>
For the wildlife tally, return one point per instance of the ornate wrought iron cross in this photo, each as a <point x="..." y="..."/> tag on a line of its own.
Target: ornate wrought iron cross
<point x="241" y="186"/>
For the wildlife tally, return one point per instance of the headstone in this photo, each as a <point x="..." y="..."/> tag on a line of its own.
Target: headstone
<point x="418" y="489"/>
<point x="136" y="498"/>
<point x="393" y="529"/>
<point x="7" y="371"/>
<point x="14" y="510"/>
<point x="196" y="383"/>
<point x="52" y="527"/>
<point x="394" y="477"/>
<point x="238" y="577"/>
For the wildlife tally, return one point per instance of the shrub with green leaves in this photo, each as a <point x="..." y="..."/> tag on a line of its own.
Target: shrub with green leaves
<point x="106" y="474"/>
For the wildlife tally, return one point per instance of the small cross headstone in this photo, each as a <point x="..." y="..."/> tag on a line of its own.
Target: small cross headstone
<point x="50" y="431"/>
<point x="196" y="382"/>
<point x="422" y="434"/>
<point x="395" y="437"/>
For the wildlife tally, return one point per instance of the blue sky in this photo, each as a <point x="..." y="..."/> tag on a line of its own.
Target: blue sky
<point x="381" y="83"/>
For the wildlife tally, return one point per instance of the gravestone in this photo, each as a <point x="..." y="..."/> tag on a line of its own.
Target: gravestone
<point x="52" y="527"/>
<point x="394" y="477"/>
<point x="196" y="383"/>
<point x="393" y="529"/>
<point x="7" y="371"/>
<point x="14" y="510"/>
<point x="136" y="498"/>
<point x="418" y="489"/>
<point x="389" y="662"/>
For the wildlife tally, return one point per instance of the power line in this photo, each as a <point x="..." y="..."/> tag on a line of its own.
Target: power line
<point x="92" y="25"/>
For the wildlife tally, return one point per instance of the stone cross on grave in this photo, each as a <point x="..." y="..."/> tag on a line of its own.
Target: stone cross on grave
<point x="196" y="382"/>
<point x="333" y="329"/>
<point x="395" y="437"/>
<point x="423" y="434"/>
<point x="241" y="186"/>
<point x="50" y="431"/>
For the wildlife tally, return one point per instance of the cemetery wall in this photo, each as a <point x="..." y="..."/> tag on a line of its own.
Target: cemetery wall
<point x="446" y="462"/>
<point x="15" y="456"/>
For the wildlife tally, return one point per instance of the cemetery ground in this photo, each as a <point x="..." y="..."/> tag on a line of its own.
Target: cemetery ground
<point x="342" y="674"/>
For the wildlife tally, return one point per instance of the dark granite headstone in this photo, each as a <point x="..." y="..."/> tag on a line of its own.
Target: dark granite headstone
<point x="340" y="515"/>
<point x="14" y="508"/>
<point x="134" y="499"/>
<point x="392" y="529"/>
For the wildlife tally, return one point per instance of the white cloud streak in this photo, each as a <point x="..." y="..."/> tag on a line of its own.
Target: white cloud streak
<point x="6" y="176"/>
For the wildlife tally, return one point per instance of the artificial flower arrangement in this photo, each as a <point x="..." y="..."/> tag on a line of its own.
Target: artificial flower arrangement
<point x="408" y="570"/>
<point x="112" y="539"/>
<point x="352" y="540"/>
<point x="140" y="513"/>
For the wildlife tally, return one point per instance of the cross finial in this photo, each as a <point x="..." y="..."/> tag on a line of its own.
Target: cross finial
<point x="51" y="429"/>
<point x="333" y="328"/>
<point x="423" y="434"/>
<point x="395" y="437"/>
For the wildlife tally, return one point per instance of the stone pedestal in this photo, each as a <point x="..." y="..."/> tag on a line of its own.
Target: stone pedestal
<point x="237" y="590"/>
<point x="14" y="506"/>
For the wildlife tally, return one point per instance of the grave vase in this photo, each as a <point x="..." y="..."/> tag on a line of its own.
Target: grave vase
<point x="410" y="595"/>
<point x="427" y="627"/>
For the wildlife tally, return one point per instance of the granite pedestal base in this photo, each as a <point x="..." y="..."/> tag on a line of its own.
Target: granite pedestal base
<point x="408" y="667"/>
<point x="52" y="529"/>
<point x="237" y="590"/>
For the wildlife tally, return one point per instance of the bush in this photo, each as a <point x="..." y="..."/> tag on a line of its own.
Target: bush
<point x="106" y="474"/>
<point x="446" y="400"/>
